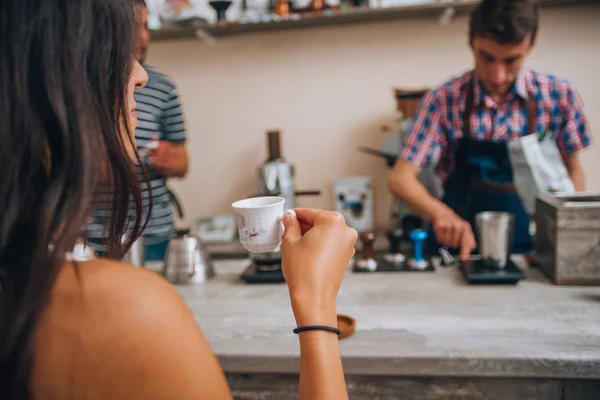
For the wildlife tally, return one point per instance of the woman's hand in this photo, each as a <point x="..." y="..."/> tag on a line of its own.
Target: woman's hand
<point x="316" y="249"/>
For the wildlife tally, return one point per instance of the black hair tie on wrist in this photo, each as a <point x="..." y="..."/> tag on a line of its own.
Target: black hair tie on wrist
<point x="317" y="328"/>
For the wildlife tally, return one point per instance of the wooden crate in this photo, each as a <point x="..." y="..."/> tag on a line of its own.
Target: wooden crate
<point x="567" y="242"/>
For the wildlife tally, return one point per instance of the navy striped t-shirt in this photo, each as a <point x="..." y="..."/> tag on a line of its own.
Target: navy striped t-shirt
<point x="159" y="116"/>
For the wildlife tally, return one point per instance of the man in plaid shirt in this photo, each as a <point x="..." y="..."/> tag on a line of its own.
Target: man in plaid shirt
<point x="462" y="128"/>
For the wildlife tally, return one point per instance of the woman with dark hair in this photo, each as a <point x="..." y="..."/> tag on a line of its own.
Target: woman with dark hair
<point x="102" y="329"/>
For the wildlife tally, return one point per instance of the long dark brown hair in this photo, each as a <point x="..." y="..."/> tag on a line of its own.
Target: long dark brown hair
<point x="64" y="70"/>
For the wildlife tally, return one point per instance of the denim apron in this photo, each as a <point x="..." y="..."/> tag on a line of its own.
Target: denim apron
<point x="482" y="181"/>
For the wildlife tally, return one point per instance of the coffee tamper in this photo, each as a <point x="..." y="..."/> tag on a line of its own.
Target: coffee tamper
<point x="366" y="263"/>
<point x="394" y="256"/>
<point x="418" y="237"/>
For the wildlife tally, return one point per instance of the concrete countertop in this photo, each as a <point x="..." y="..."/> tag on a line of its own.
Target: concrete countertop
<point x="411" y="324"/>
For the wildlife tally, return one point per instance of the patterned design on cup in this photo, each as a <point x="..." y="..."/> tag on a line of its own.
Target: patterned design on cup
<point x="259" y="223"/>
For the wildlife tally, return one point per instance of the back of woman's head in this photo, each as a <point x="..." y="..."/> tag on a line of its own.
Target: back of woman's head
<point x="64" y="69"/>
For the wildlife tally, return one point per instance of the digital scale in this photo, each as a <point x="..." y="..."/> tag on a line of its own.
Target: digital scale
<point x="477" y="271"/>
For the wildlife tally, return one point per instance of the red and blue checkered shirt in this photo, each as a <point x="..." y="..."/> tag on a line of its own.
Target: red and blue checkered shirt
<point x="438" y="122"/>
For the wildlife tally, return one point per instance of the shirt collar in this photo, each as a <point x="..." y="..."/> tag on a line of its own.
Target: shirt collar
<point x="519" y="89"/>
<point x="479" y="92"/>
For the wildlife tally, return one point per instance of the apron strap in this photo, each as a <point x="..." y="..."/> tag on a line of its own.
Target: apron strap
<point x="468" y="108"/>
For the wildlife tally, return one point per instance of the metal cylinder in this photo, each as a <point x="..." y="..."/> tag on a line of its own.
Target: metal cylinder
<point x="136" y="254"/>
<point x="495" y="232"/>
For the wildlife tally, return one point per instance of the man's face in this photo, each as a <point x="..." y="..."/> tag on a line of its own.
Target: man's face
<point x="497" y="65"/>
<point x="143" y="34"/>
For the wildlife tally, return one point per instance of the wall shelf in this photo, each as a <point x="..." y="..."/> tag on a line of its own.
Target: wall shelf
<point x="323" y="19"/>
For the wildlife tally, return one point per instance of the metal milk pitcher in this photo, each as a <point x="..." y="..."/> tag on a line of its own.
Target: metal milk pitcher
<point x="186" y="261"/>
<point x="136" y="255"/>
<point x="495" y="232"/>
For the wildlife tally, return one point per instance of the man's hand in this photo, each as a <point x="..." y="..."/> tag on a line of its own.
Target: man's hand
<point x="450" y="229"/>
<point x="453" y="231"/>
<point x="169" y="159"/>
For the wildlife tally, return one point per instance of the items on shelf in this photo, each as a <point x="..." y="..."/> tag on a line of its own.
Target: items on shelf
<point x="176" y="11"/>
<point x="168" y="14"/>
<point x="220" y="6"/>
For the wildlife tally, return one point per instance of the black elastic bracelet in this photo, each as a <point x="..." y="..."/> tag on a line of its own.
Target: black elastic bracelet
<point x="317" y="328"/>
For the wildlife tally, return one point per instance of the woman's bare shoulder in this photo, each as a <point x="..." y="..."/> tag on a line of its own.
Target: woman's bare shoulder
<point x="112" y="330"/>
<point x="109" y="286"/>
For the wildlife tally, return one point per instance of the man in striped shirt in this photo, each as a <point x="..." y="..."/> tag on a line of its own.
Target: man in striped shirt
<point x="160" y="120"/>
<point x="462" y="128"/>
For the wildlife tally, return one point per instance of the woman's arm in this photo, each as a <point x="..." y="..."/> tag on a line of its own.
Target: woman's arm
<point x="129" y="335"/>
<point x="316" y="250"/>
<point x="321" y="372"/>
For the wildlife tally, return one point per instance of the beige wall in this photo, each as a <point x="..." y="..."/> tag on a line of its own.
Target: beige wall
<point x="329" y="90"/>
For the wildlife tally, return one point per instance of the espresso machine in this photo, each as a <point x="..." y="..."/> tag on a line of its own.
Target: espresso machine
<point x="275" y="178"/>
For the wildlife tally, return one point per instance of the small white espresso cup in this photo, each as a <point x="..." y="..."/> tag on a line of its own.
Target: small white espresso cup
<point x="259" y="223"/>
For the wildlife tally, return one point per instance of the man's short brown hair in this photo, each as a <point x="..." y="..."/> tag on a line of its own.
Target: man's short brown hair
<point x="505" y="21"/>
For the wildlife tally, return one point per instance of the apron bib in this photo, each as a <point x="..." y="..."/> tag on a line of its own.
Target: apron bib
<point x="483" y="181"/>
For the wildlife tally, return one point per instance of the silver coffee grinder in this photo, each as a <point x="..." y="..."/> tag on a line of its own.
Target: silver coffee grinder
<point x="275" y="175"/>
